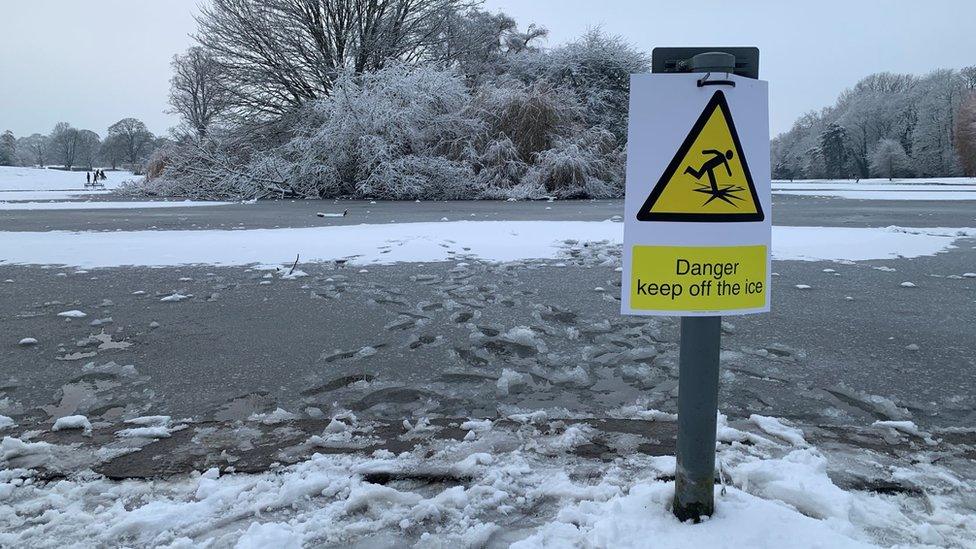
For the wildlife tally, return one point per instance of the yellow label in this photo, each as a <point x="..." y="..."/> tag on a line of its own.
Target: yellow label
<point x="700" y="279"/>
<point x="708" y="180"/>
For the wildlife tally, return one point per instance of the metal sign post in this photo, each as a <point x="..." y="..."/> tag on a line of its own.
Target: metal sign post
<point x="696" y="242"/>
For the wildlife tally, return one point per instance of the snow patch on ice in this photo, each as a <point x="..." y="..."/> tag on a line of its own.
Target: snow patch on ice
<point x="425" y="242"/>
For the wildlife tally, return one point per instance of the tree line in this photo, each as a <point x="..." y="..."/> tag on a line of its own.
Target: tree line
<point x="887" y="125"/>
<point x="128" y="143"/>
<point x="441" y="99"/>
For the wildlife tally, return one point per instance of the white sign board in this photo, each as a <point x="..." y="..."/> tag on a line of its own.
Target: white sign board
<point x="697" y="221"/>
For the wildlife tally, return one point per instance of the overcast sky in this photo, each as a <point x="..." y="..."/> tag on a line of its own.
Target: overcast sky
<point x="93" y="62"/>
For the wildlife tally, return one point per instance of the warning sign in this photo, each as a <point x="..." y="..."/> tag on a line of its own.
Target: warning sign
<point x="708" y="179"/>
<point x="676" y="278"/>
<point x="697" y="225"/>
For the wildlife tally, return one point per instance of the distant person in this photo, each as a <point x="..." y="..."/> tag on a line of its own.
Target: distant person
<point x="87" y="179"/>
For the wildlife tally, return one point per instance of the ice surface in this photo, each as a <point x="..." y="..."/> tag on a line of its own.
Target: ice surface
<point x="106" y="205"/>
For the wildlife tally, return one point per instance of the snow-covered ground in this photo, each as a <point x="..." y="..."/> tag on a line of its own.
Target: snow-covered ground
<point x="424" y="242"/>
<point x="48" y="179"/>
<point x="939" y="189"/>
<point x="52" y="189"/>
<point x="901" y="181"/>
<point x="27" y="196"/>
<point x="497" y="488"/>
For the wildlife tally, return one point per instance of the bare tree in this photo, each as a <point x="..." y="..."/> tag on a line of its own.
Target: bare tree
<point x="64" y="141"/>
<point x="278" y="54"/>
<point x="33" y="149"/>
<point x="88" y="145"/>
<point x="196" y="92"/>
<point x="134" y="138"/>
<point x="112" y="151"/>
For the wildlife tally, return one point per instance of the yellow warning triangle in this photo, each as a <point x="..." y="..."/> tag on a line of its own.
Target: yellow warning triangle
<point x="708" y="179"/>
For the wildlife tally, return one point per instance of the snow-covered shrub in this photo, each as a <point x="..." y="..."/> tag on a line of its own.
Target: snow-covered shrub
<point x="412" y="177"/>
<point x="589" y="166"/>
<point x="206" y="169"/>
<point x="157" y="162"/>
<point x="500" y="166"/>
<point x="378" y="127"/>
<point x="531" y="116"/>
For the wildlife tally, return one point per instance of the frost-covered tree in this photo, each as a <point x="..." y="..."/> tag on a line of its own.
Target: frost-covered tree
<point x="8" y="149"/>
<point x="888" y="159"/>
<point x="965" y="133"/>
<point x="32" y="149"/>
<point x="833" y="147"/>
<point x="135" y="139"/>
<point x="918" y="112"/>
<point x="933" y="153"/>
<point x="597" y="68"/>
<point x="968" y="75"/>
<point x="197" y="91"/>
<point x="64" y="142"/>
<point x="276" y="55"/>
<point x="481" y="44"/>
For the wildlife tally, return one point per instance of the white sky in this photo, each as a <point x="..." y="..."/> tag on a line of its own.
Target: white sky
<point x="93" y="62"/>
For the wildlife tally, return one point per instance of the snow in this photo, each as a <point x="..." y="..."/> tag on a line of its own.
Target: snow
<point x="8" y="196"/>
<point x="74" y="313"/>
<point x="6" y="421"/>
<point x="27" y="341"/>
<point x="49" y="179"/>
<point x="906" y="427"/>
<point x="871" y="183"/>
<point x="779" y="495"/>
<point x="886" y="195"/>
<point x="938" y="189"/>
<point x="860" y="244"/>
<point x="640" y="518"/>
<point x="279" y="415"/>
<point x="144" y="432"/>
<point x="425" y="242"/>
<point x="776" y="427"/>
<point x="272" y="534"/>
<point x="72" y="422"/>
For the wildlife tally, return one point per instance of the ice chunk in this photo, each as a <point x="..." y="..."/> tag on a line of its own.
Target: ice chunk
<point x="72" y="422"/>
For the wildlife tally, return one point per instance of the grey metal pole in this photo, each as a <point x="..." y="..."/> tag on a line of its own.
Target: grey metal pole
<point x="698" y="369"/>
<point x="698" y="362"/>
